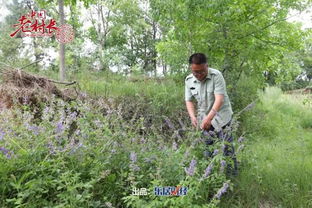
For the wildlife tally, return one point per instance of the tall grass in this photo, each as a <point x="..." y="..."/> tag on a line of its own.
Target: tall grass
<point x="276" y="168"/>
<point x="165" y="96"/>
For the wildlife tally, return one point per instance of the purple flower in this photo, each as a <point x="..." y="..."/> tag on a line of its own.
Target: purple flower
<point x="76" y="147"/>
<point x="223" y="163"/>
<point x="174" y="146"/>
<point x="215" y="152"/>
<point x="134" y="167"/>
<point x="46" y="110"/>
<point x="6" y="152"/>
<point x="51" y="148"/>
<point x="80" y="145"/>
<point x="222" y="190"/>
<point x="240" y="139"/>
<point x="83" y="94"/>
<point x="205" y="133"/>
<point x="3" y="150"/>
<point x="59" y="127"/>
<point x="98" y="123"/>
<point x="34" y="129"/>
<point x="73" y="116"/>
<point x="25" y="100"/>
<point x="46" y="113"/>
<point x="191" y="170"/>
<point x="169" y="123"/>
<point x="161" y="147"/>
<point x="133" y="157"/>
<point x="143" y="140"/>
<point x="210" y="133"/>
<point x="78" y="132"/>
<point x="2" y="133"/>
<point x="208" y="170"/>
<point x="222" y="135"/>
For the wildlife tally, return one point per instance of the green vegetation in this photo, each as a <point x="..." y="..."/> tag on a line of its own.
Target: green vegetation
<point x="92" y="154"/>
<point x="276" y="163"/>
<point x="129" y="127"/>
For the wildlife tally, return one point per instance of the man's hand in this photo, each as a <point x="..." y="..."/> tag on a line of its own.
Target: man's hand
<point x="194" y="121"/>
<point x="206" y="123"/>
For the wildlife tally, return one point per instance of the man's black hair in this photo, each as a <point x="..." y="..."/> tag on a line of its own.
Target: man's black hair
<point x="198" y="58"/>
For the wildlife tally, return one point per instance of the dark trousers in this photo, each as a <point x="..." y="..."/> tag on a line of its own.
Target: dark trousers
<point x="212" y="136"/>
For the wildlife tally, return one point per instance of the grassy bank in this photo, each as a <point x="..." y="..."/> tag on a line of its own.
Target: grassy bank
<point x="276" y="164"/>
<point x="91" y="153"/>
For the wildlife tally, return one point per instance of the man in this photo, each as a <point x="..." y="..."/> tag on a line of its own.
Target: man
<point x="214" y="109"/>
<point x="208" y="87"/>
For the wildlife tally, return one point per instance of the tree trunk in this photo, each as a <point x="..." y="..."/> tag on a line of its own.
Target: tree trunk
<point x="62" y="46"/>
<point x="164" y="67"/>
<point x="37" y="55"/>
<point x="154" y="58"/>
<point x="99" y="8"/>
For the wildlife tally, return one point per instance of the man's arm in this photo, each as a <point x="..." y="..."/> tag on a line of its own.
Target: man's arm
<point x="191" y="111"/>
<point x="219" y="99"/>
<point x="190" y="108"/>
<point x="190" y="105"/>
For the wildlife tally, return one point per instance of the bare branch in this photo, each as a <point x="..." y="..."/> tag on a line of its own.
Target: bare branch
<point x="23" y="67"/>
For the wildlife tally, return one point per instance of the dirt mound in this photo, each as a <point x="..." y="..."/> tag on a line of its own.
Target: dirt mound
<point x="20" y="87"/>
<point x="307" y="90"/>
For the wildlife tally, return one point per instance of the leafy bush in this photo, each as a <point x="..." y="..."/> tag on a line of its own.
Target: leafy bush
<point x="75" y="155"/>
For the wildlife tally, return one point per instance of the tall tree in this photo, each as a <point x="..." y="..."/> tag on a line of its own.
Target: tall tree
<point x="61" y="5"/>
<point x="306" y="57"/>
<point x="62" y="45"/>
<point x="245" y="36"/>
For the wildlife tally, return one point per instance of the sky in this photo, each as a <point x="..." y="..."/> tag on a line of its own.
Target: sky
<point x="4" y="11"/>
<point x="305" y="18"/>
